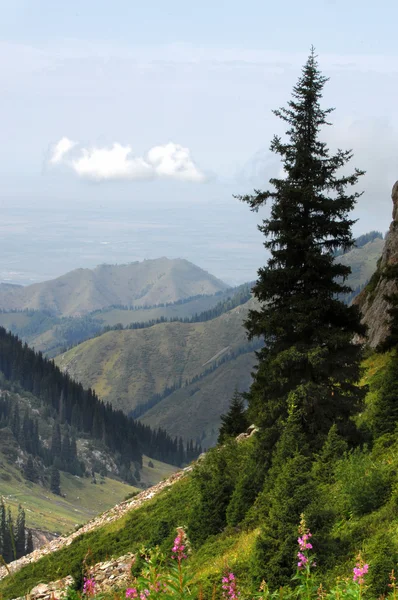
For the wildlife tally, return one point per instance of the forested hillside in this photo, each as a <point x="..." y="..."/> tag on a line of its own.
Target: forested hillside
<point x="79" y="408"/>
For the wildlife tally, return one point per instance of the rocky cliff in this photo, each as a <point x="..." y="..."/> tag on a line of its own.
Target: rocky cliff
<point x="371" y="300"/>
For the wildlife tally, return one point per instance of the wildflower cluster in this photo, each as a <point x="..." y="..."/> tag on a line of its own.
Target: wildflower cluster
<point x="156" y="576"/>
<point x="229" y="587"/>
<point x="89" y="587"/>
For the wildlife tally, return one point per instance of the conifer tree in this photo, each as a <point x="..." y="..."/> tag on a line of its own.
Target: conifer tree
<point x="29" y="470"/>
<point x="20" y="538"/>
<point x="235" y="421"/>
<point x="9" y="545"/>
<point x="55" y="481"/>
<point x="16" y="423"/>
<point x="308" y="362"/>
<point x="66" y="451"/>
<point x="29" y="542"/>
<point x="56" y="444"/>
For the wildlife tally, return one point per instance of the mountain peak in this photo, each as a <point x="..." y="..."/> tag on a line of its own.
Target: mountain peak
<point x="150" y="282"/>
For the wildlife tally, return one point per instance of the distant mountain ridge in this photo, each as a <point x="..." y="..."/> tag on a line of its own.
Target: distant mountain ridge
<point x="129" y="367"/>
<point x="83" y="291"/>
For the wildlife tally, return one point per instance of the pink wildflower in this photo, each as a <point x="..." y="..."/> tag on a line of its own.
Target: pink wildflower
<point x="89" y="587"/>
<point x="179" y="548"/>
<point x="131" y="593"/>
<point x="305" y="561"/>
<point x="359" y="571"/>
<point x="303" y="541"/>
<point x="230" y="591"/>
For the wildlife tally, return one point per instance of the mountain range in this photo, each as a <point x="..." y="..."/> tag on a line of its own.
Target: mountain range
<point x="135" y="284"/>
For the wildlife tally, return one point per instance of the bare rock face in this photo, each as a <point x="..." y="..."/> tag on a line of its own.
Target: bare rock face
<point x="371" y="300"/>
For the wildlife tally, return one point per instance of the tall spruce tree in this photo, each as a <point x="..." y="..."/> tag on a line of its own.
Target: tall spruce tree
<point x="309" y="361"/>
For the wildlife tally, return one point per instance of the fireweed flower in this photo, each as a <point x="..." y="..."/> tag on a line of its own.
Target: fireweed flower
<point x="359" y="571"/>
<point x="180" y="546"/>
<point x="304" y="561"/>
<point x="89" y="586"/>
<point x="131" y="593"/>
<point x="229" y="587"/>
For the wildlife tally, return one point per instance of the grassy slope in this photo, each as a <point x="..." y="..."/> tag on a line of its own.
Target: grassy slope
<point x="84" y="500"/>
<point x="232" y="548"/>
<point x="47" y="511"/>
<point x="128" y="367"/>
<point x="202" y="406"/>
<point x="152" y="523"/>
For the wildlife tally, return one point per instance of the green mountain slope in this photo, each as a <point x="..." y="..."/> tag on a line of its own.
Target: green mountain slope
<point x="58" y="514"/>
<point x="358" y="502"/>
<point x="140" y="284"/>
<point x="129" y="367"/>
<point x="195" y="409"/>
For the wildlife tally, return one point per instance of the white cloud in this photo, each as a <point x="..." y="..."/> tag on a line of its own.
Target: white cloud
<point x="63" y="147"/>
<point x="172" y="160"/>
<point x="118" y="163"/>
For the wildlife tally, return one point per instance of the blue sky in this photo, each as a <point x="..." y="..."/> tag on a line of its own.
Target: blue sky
<point x="164" y="109"/>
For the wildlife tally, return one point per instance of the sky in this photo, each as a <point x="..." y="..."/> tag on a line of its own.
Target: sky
<point x="128" y="127"/>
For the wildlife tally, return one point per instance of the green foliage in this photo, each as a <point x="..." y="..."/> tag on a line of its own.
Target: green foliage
<point x="249" y="483"/>
<point x="365" y="483"/>
<point x="384" y="416"/>
<point x="235" y="420"/>
<point x="289" y="495"/>
<point x="213" y="480"/>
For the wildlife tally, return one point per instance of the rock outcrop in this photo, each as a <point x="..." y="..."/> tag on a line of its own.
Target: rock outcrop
<point x="109" y="575"/>
<point x="371" y="300"/>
